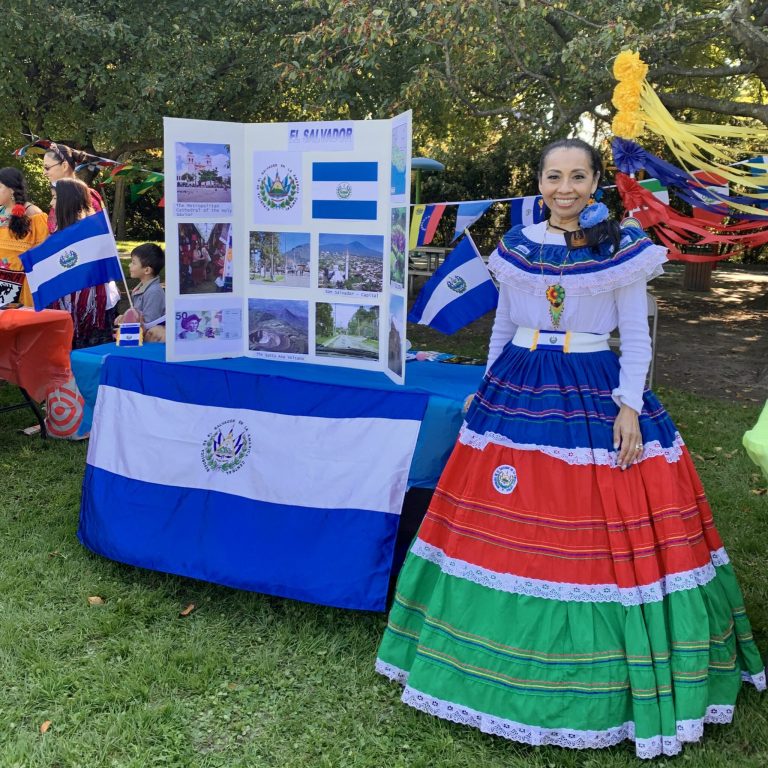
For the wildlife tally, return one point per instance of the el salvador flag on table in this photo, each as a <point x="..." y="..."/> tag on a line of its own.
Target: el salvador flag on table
<point x="345" y="190"/>
<point x="460" y="291"/>
<point x="82" y="255"/>
<point x="273" y="485"/>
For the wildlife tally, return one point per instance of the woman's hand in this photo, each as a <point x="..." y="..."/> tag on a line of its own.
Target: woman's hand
<point x="626" y="437"/>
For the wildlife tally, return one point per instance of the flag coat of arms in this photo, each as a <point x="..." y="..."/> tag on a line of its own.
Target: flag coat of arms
<point x="526" y="210"/>
<point x="460" y="291"/>
<point x="345" y="190"/>
<point x="82" y="255"/>
<point x="273" y="485"/>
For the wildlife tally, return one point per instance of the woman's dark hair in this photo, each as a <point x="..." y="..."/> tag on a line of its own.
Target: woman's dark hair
<point x="13" y="178"/>
<point x="65" y="154"/>
<point x="73" y="200"/>
<point x="607" y="231"/>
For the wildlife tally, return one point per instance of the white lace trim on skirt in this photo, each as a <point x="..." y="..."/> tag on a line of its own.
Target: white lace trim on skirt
<point x="686" y="730"/>
<point x="579" y="456"/>
<point x="581" y="593"/>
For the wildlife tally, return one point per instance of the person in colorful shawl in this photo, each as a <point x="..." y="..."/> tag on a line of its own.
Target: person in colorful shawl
<point x="22" y="226"/>
<point x="568" y="585"/>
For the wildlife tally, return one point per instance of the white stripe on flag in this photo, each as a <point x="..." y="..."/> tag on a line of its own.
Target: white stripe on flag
<point x="88" y="251"/>
<point x="357" y="190"/>
<point x="288" y="461"/>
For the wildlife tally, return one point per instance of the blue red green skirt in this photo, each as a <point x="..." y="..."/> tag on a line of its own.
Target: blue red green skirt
<point x="551" y="597"/>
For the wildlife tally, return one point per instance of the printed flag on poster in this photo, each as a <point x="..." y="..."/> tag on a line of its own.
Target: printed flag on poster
<point x="460" y="291"/>
<point x="468" y="214"/>
<point x="424" y="224"/>
<point x="345" y="190"/>
<point x="526" y="210"/>
<point x="82" y="255"/>
<point x="300" y="495"/>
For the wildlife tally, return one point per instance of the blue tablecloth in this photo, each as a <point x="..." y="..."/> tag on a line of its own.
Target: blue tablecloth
<point x="447" y="386"/>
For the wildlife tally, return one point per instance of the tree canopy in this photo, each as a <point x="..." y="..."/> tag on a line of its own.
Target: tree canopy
<point x="489" y="81"/>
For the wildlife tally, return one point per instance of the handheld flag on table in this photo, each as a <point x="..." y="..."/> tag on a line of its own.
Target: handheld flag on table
<point x="345" y="190"/>
<point x="129" y="335"/>
<point x="424" y="223"/>
<point x="460" y="291"/>
<point x="82" y="255"/>
<point x="526" y="210"/>
<point x="468" y="214"/>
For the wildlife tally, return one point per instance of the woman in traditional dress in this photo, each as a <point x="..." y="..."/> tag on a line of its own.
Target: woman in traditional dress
<point x="92" y="309"/>
<point x="22" y="226"/>
<point x="568" y="585"/>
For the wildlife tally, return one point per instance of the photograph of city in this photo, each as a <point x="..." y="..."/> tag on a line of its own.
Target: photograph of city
<point x="351" y="262"/>
<point x="203" y="173"/>
<point x="347" y="330"/>
<point x="279" y="258"/>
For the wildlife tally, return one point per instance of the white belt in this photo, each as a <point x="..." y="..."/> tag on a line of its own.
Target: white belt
<point x="565" y="341"/>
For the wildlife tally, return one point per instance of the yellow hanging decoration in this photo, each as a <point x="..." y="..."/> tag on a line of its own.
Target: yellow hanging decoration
<point x="639" y="107"/>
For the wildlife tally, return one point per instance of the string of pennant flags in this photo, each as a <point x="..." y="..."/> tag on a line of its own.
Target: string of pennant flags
<point x="702" y="235"/>
<point x="113" y="169"/>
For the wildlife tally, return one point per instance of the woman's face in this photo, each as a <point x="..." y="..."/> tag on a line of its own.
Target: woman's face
<point x="55" y="168"/>
<point x="567" y="182"/>
<point x="6" y="196"/>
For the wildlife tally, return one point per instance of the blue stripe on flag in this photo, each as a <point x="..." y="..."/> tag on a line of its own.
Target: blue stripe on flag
<point x="461" y="254"/>
<point x="473" y="304"/>
<point x="345" y="171"/>
<point x="338" y="557"/>
<point x="344" y="209"/>
<point x="459" y="308"/>
<point x="202" y="386"/>
<point x="90" y="226"/>
<point x="77" y="278"/>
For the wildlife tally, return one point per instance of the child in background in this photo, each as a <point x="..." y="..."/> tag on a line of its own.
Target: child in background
<point x="148" y="296"/>
<point x="147" y="261"/>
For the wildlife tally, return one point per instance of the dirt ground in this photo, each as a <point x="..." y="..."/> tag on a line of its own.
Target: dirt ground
<point x="714" y="343"/>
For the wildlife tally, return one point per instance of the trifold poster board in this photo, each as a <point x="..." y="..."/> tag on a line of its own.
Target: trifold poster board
<point x="288" y="241"/>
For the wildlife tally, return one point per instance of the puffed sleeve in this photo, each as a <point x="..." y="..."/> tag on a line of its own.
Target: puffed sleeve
<point x="632" y="308"/>
<point x="39" y="228"/>
<point x="503" y="327"/>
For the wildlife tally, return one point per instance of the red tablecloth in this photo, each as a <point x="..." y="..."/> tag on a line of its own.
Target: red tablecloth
<point x="34" y="349"/>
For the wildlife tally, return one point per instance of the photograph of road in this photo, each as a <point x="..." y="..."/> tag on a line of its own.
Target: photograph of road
<point x="347" y="330"/>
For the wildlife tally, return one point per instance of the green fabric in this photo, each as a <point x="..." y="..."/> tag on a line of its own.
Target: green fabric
<point x="756" y="441"/>
<point x="576" y="665"/>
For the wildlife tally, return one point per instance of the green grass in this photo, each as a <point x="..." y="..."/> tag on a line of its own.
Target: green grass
<point x="251" y="680"/>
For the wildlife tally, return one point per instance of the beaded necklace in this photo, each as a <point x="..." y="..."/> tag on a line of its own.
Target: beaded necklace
<point x="555" y="293"/>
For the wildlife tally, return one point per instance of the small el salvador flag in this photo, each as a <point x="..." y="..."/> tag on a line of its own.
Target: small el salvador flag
<point x="460" y="291"/>
<point x="345" y="190"/>
<point x="82" y="255"/>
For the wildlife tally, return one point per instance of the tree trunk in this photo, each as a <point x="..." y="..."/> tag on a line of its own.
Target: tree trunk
<point x="118" y="210"/>
<point x="698" y="276"/>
